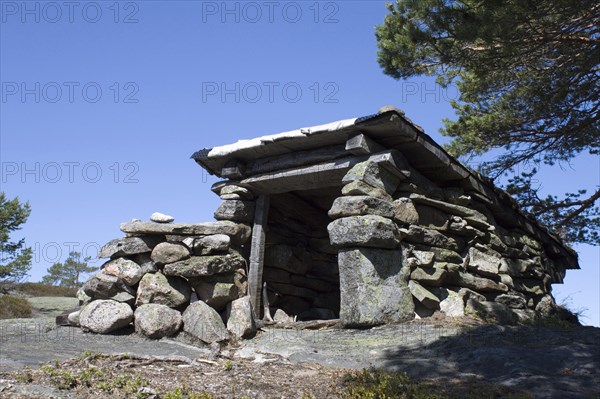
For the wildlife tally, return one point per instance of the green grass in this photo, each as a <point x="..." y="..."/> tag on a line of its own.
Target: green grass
<point x="379" y="384"/>
<point x="13" y="307"/>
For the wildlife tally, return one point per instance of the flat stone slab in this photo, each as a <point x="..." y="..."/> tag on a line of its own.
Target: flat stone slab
<point x="200" y="229"/>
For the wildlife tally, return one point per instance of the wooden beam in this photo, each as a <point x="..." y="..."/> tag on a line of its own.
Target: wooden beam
<point x="362" y="144"/>
<point x="257" y="254"/>
<point x="295" y="159"/>
<point x="321" y="175"/>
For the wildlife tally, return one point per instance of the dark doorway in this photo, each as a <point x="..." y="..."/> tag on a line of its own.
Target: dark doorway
<point x="300" y="266"/>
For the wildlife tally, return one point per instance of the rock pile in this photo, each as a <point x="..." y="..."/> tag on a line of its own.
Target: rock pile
<point x="166" y="277"/>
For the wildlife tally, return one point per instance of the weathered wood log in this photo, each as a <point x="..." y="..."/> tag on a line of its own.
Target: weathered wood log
<point x="295" y="159"/>
<point x="326" y="174"/>
<point x="257" y="254"/>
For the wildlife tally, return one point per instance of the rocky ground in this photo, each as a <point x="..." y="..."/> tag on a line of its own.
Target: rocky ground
<point x="295" y="363"/>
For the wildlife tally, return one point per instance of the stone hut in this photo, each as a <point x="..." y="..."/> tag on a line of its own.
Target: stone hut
<point x="370" y="220"/>
<point x="367" y="220"/>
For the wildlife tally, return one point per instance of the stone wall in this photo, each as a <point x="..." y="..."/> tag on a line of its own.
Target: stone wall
<point x="400" y="233"/>
<point x="166" y="277"/>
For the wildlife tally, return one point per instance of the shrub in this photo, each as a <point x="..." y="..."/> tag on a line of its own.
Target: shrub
<point x="12" y="307"/>
<point x="39" y="289"/>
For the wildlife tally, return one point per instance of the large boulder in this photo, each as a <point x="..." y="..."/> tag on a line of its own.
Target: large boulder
<point x="236" y="210"/>
<point x="156" y="321"/>
<point x="239" y="318"/>
<point x="169" y="252"/>
<point x="198" y="266"/>
<point x="360" y="205"/>
<point x="125" y="269"/>
<point x="128" y="246"/>
<point x="373" y="287"/>
<point x="165" y="290"/>
<point x="364" y="231"/>
<point x="204" y="323"/>
<point x="104" y="316"/>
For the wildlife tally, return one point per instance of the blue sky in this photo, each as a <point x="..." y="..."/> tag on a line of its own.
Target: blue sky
<point x="104" y="102"/>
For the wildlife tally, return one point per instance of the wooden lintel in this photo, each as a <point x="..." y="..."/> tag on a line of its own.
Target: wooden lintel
<point x="362" y="144"/>
<point x="295" y="159"/>
<point x="321" y="175"/>
<point x="257" y="254"/>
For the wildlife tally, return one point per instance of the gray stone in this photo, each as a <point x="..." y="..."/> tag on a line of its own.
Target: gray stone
<point x="84" y="299"/>
<point x="238" y="191"/>
<point x="239" y="318"/>
<point x="372" y="174"/>
<point x="372" y="289"/>
<point x="443" y="254"/>
<point x="165" y="290"/>
<point x="236" y="210"/>
<point x="453" y="304"/>
<point x="524" y="316"/>
<point x="161" y="218"/>
<point x="424" y="296"/>
<point x="481" y="284"/>
<point x="491" y="311"/>
<point x="281" y="317"/>
<point x="157" y="321"/>
<point x="204" y="323"/>
<point x="128" y="246"/>
<point x="124" y="297"/>
<point x="105" y="286"/>
<point x="168" y="252"/>
<point x="198" y="266"/>
<point x="358" y="188"/>
<point x="406" y="212"/>
<point x="146" y="263"/>
<point x="421" y="235"/>
<point x="530" y="286"/>
<point x="484" y="264"/>
<point x="213" y="244"/>
<point x="125" y="269"/>
<point x="240" y="233"/>
<point x="216" y="294"/>
<point x="512" y="301"/>
<point x="73" y="318"/>
<point x="432" y="276"/>
<point x="360" y="205"/>
<point x="364" y="231"/>
<point x="104" y="316"/>
<point x="424" y="258"/>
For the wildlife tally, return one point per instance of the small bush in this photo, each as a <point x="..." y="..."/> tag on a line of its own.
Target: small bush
<point x="13" y="307"/>
<point x="39" y="289"/>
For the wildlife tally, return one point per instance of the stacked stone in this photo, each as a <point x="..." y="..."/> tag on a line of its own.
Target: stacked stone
<point x="441" y="244"/>
<point x="462" y="260"/>
<point x="373" y="280"/>
<point x="168" y="276"/>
